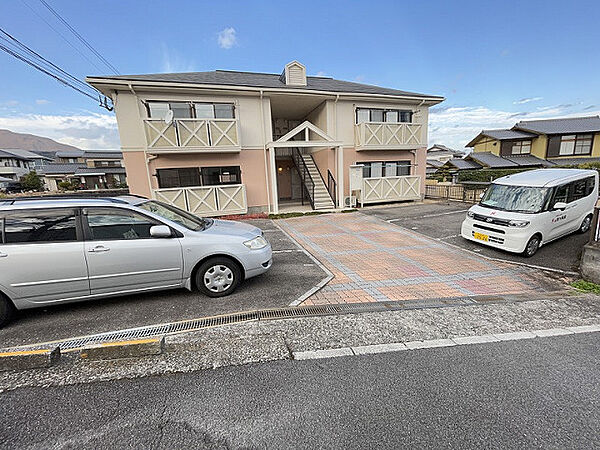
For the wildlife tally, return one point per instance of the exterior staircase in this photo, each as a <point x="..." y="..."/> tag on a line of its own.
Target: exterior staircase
<point x="313" y="183"/>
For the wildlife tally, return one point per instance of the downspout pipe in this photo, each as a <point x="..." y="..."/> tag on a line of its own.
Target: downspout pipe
<point x="264" y="139"/>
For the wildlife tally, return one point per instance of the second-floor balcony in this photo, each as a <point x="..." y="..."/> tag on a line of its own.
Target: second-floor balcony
<point x="192" y="135"/>
<point x="389" y="136"/>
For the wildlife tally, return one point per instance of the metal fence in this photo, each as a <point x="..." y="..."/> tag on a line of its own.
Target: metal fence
<point x="469" y="193"/>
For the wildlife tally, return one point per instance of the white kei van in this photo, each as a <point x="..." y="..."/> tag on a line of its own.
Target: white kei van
<point x="521" y="212"/>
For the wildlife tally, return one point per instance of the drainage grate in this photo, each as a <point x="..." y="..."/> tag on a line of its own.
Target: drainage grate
<point x="72" y="344"/>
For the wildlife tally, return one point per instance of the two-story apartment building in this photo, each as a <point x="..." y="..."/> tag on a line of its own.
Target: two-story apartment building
<point x="567" y="141"/>
<point x="226" y="142"/>
<point x="16" y="163"/>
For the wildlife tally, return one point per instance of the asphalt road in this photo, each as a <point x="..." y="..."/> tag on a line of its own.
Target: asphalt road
<point x="292" y="274"/>
<point x="442" y="220"/>
<point x="538" y="393"/>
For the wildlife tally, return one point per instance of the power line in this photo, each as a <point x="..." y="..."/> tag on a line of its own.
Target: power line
<point x="22" y="52"/>
<point x="63" y="37"/>
<point x="81" y="38"/>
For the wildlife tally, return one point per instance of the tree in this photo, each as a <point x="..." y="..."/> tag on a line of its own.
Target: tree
<point x="32" y="182"/>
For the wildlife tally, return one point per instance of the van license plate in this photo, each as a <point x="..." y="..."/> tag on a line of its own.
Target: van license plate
<point x="481" y="237"/>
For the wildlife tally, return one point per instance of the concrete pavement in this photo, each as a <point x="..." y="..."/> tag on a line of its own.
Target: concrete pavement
<point x="539" y="393"/>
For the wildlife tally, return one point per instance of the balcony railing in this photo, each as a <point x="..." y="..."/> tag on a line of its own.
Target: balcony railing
<point x="207" y="200"/>
<point x="221" y="135"/>
<point x="388" y="136"/>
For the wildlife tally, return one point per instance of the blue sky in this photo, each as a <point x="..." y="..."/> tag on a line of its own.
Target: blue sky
<point x="495" y="62"/>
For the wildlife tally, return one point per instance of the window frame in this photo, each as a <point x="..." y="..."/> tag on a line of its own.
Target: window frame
<point x="79" y="233"/>
<point x="368" y="164"/>
<point x="578" y="137"/>
<point x="87" y="231"/>
<point x="192" y="108"/>
<point x="520" y="144"/>
<point x="384" y="111"/>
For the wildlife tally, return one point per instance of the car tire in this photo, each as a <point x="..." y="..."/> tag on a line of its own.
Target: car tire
<point x="532" y="245"/>
<point x="7" y="311"/>
<point x="585" y="225"/>
<point x="218" y="277"/>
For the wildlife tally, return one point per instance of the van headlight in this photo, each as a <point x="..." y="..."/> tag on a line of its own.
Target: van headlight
<point x="256" y="243"/>
<point x="470" y="214"/>
<point x="518" y="223"/>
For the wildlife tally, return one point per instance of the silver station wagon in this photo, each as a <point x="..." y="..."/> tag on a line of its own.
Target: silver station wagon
<point x="67" y="250"/>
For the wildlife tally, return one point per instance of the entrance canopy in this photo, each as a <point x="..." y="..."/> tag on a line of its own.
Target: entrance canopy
<point x="310" y="136"/>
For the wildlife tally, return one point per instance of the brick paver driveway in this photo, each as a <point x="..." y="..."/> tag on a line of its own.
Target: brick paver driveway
<point x="373" y="260"/>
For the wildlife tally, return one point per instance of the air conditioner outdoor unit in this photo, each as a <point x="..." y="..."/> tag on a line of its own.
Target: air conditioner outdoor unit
<point x="350" y="201"/>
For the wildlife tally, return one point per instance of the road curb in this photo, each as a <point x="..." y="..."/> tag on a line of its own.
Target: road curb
<point x="29" y="359"/>
<point x="123" y="349"/>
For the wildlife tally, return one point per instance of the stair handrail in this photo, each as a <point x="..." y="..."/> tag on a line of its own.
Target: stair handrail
<point x="331" y="187"/>
<point x="303" y="171"/>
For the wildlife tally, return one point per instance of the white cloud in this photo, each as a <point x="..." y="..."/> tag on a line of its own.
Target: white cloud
<point x="527" y="100"/>
<point x="320" y="73"/>
<point x="42" y="101"/>
<point x="456" y="126"/>
<point x="86" y="131"/>
<point x="227" y="38"/>
<point x="173" y="62"/>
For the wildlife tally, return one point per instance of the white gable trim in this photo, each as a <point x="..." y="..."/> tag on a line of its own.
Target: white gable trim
<point x="306" y="127"/>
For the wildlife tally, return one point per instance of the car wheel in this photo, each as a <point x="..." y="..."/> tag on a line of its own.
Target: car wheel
<point x="7" y="311"/>
<point x="218" y="277"/>
<point x="532" y="246"/>
<point x="585" y="225"/>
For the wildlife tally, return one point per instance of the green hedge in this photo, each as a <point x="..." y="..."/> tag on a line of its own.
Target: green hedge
<point x="486" y="175"/>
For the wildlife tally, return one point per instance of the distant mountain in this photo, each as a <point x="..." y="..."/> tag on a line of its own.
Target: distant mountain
<point x="10" y="139"/>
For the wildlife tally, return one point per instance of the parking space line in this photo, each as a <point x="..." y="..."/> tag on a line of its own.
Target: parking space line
<point x="429" y="215"/>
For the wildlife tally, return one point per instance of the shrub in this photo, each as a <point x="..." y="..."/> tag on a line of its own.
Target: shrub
<point x="68" y="185"/>
<point x="32" y="182"/>
<point x="486" y="175"/>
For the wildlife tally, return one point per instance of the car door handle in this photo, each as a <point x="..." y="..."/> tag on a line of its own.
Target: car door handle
<point x="98" y="249"/>
<point x="3" y="255"/>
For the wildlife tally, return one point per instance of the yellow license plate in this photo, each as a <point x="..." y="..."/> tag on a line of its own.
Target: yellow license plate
<point x="481" y="237"/>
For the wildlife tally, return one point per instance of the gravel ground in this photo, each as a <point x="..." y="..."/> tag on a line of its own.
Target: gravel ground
<point x="274" y="340"/>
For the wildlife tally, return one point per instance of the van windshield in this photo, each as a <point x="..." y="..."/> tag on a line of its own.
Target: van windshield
<point x="523" y="199"/>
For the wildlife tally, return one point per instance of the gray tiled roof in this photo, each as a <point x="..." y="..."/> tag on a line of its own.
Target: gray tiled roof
<point x="8" y="154"/>
<point x="463" y="164"/>
<point x="70" y="154"/>
<point x="116" y="154"/>
<point x="55" y="169"/>
<point x="490" y="160"/>
<point x="561" y="126"/>
<point x="263" y="80"/>
<point x="507" y="134"/>
<point x="25" y="153"/>
<point x="435" y="163"/>
<point x="528" y="160"/>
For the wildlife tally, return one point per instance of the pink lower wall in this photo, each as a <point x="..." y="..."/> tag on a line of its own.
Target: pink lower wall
<point x="251" y="162"/>
<point x="351" y="157"/>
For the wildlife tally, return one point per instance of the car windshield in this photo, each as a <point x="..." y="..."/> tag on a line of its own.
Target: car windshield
<point x="175" y="214"/>
<point x="523" y="199"/>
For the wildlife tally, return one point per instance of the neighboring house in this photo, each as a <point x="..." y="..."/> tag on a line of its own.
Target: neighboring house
<point x="14" y="166"/>
<point x="90" y="169"/>
<point x="226" y="142"/>
<point x="38" y="160"/>
<point x="442" y="153"/>
<point x="566" y="141"/>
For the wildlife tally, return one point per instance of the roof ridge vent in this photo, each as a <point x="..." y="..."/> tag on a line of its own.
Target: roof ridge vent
<point x="294" y="74"/>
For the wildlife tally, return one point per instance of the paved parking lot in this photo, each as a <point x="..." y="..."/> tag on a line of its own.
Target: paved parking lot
<point x="373" y="260"/>
<point x="293" y="273"/>
<point x="442" y="221"/>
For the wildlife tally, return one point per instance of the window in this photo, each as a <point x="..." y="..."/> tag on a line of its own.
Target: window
<point x="221" y="175"/>
<point x="195" y="176"/>
<point x="385" y="169"/>
<point x="174" y="214"/>
<point x="576" y="144"/>
<point x="521" y="148"/>
<point x="561" y="194"/>
<point x="184" y="177"/>
<point x="39" y="226"/>
<point x="117" y="224"/>
<point x="185" y="110"/>
<point x="578" y="190"/>
<point x="382" y="115"/>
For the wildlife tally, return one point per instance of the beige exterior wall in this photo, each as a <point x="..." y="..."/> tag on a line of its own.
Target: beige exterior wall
<point x="487" y="145"/>
<point x="538" y="146"/>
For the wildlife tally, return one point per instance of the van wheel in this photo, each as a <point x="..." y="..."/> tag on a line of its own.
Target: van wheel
<point x="586" y="224"/>
<point x="7" y="311"/>
<point x="532" y="246"/>
<point x="218" y="277"/>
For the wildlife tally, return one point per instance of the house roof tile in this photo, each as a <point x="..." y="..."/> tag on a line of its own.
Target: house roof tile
<point x="561" y="126"/>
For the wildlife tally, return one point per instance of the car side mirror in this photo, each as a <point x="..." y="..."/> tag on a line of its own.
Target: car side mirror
<point x="481" y="195"/>
<point x="559" y="206"/>
<point x="160" y="231"/>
